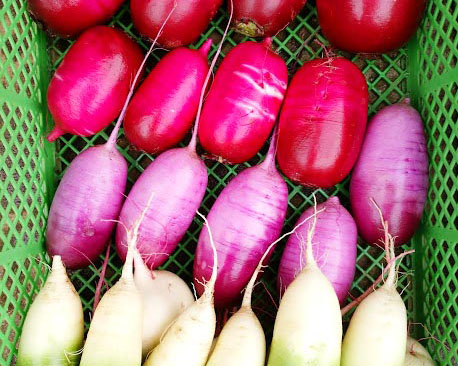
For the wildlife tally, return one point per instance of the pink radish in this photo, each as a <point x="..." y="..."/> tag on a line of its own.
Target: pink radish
<point x="334" y="248"/>
<point x="89" y="198"/>
<point x="90" y="86"/>
<point x="178" y="178"/>
<point x="243" y="102"/>
<point x="68" y="18"/>
<point x="247" y="216"/>
<point x="392" y="169"/>
<point x="164" y="107"/>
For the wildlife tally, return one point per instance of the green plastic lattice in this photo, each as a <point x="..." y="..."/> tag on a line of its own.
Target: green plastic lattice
<point x="30" y="168"/>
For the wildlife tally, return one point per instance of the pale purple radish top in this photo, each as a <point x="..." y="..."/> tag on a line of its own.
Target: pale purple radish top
<point x="334" y="248"/>
<point x="246" y="218"/>
<point x="88" y="198"/>
<point x="178" y="180"/>
<point x="90" y="86"/>
<point x="393" y="170"/>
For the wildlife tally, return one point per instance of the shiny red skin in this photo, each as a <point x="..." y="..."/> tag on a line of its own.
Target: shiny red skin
<point x="87" y="201"/>
<point x="68" y="18"/>
<point x="187" y="22"/>
<point x="264" y="18"/>
<point x="178" y="179"/>
<point x="393" y="170"/>
<point x="369" y="26"/>
<point x="243" y="102"/>
<point x="322" y="122"/>
<point x="163" y="109"/>
<point x="245" y="219"/>
<point x="334" y="248"/>
<point x="90" y="86"/>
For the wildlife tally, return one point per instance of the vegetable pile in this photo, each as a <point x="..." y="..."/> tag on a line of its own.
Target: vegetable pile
<point x="150" y="315"/>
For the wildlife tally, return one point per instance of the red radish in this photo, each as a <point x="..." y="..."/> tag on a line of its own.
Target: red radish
<point x="91" y="84"/>
<point x="188" y="22"/>
<point x="369" y="26"/>
<point x="247" y="216"/>
<point x="89" y="198"/>
<point x="322" y="122"/>
<point x="165" y="105"/>
<point x="68" y="18"/>
<point x="393" y="170"/>
<point x="178" y="178"/>
<point x="261" y="18"/>
<point x="334" y="248"/>
<point x="243" y="102"/>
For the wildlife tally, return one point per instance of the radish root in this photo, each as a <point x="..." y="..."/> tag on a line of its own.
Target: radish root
<point x="390" y="269"/>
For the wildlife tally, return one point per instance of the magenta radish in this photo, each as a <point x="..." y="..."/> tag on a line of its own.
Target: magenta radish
<point x="189" y="21"/>
<point x="89" y="199"/>
<point x="115" y="333"/>
<point x="189" y="338"/>
<point x="247" y="216"/>
<point x="417" y="355"/>
<point x="392" y="169"/>
<point x="69" y="18"/>
<point x="90" y="86"/>
<point x="334" y="248"/>
<point x="165" y="296"/>
<point x="54" y="326"/>
<point x="308" y="326"/>
<point x="178" y="178"/>
<point x="377" y="334"/>
<point x="243" y="102"/>
<point x="164" y="107"/>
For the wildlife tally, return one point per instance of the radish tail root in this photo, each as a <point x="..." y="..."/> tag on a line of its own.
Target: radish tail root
<point x="98" y="289"/>
<point x="193" y="143"/>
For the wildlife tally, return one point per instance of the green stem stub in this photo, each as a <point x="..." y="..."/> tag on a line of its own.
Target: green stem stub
<point x="249" y="28"/>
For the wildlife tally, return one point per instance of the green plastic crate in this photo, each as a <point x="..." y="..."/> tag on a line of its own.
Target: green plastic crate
<point x="30" y="168"/>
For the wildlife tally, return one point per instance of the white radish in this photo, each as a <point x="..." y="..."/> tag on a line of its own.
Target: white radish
<point x="377" y="334"/>
<point x="417" y="355"/>
<point x="189" y="339"/>
<point x="115" y="334"/>
<point x="165" y="296"/>
<point x="308" y="327"/>
<point x="53" y="330"/>
<point x="242" y="341"/>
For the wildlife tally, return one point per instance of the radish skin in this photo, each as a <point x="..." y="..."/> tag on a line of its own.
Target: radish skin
<point x="417" y="355"/>
<point x="377" y="334"/>
<point x="308" y="327"/>
<point x="53" y="330"/>
<point x="189" y="339"/>
<point x="165" y="296"/>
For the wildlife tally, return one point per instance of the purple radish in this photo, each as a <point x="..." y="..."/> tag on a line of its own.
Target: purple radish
<point x="334" y="248"/>
<point x="247" y="216"/>
<point x="89" y="198"/>
<point x="178" y="179"/>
